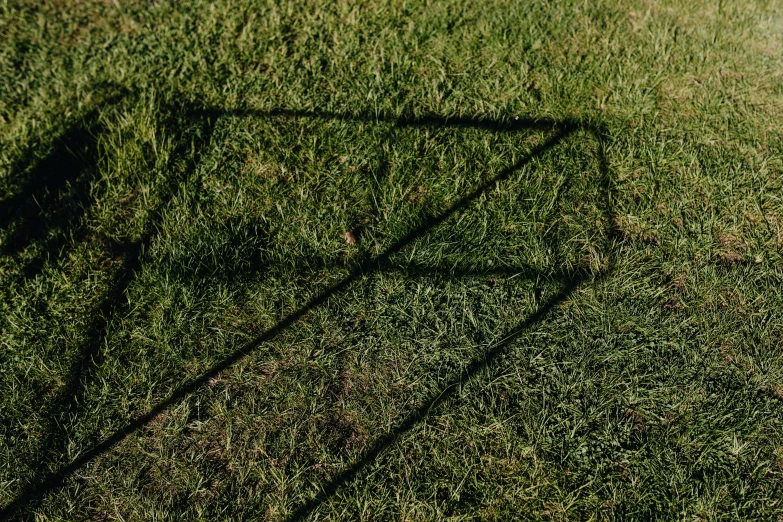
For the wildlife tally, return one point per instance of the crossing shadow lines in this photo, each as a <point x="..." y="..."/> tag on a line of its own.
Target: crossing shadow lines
<point x="557" y="132"/>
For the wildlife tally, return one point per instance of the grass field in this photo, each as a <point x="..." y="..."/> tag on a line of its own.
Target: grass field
<point x="391" y="260"/>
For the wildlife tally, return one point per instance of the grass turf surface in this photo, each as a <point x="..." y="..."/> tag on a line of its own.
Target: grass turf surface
<point x="564" y="298"/>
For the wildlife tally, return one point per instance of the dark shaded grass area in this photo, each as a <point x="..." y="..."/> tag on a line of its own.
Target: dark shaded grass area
<point x="147" y="243"/>
<point x="309" y="312"/>
<point x="76" y="155"/>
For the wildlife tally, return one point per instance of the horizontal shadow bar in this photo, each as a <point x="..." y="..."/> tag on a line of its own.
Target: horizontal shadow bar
<point x="429" y="120"/>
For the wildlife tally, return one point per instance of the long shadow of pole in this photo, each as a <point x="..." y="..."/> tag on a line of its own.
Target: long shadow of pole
<point x="561" y="130"/>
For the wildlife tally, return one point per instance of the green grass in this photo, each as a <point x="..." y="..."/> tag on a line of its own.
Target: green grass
<point x="563" y="301"/>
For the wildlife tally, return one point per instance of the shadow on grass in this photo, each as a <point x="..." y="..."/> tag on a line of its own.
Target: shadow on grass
<point x="51" y="202"/>
<point x="559" y="130"/>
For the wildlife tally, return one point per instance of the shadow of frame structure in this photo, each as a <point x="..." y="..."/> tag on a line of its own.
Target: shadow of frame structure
<point x="556" y="132"/>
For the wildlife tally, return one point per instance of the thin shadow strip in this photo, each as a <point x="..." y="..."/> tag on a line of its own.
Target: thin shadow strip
<point x="54" y="480"/>
<point x="427" y="120"/>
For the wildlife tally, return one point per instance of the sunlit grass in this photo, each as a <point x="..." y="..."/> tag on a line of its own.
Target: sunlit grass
<point x="562" y="299"/>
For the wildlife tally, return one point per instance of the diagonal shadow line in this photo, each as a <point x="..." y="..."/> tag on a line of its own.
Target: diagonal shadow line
<point x="67" y="396"/>
<point x="55" y="479"/>
<point x="131" y="253"/>
<point x="53" y="172"/>
<point x="436" y="400"/>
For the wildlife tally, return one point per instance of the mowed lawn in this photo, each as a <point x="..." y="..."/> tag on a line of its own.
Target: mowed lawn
<point x="391" y="260"/>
